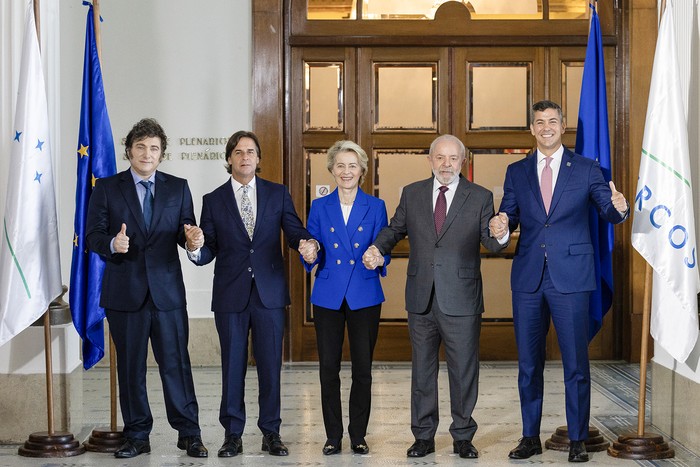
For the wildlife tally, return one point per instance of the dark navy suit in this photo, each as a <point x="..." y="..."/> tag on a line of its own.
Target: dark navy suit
<point x="346" y="293"/>
<point x="553" y="274"/>
<point x="250" y="293"/>
<point x="144" y="295"/>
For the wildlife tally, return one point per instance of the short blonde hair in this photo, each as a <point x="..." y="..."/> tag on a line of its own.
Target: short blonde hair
<point x="348" y="146"/>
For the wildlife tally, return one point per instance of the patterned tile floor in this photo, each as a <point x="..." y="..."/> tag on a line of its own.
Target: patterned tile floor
<point x="613" y="409"/>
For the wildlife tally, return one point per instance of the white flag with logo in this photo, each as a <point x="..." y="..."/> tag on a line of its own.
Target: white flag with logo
<point x="30" y="269"/>
<point x="664" y="224"/>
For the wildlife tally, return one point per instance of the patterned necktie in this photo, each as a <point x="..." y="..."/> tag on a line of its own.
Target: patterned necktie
<point x="440" y="210"/>
<point x="546" y="184"/>
<point x="147" y="203"/>
<point x="247" y="212"/>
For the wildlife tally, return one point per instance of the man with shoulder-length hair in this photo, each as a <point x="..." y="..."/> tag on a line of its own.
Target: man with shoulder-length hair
<point x="241" y="224"/>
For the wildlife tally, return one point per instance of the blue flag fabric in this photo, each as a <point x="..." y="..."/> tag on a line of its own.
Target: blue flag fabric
<point x="96" y="159"/>
<point x="593" y="142"/>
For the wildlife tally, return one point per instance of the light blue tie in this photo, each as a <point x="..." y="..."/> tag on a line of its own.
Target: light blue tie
<point x="147" y="203"/>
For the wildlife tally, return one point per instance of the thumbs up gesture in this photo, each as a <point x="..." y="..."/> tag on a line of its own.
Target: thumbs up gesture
<point x="121" y="241"/>
<point x="618" y="199"/>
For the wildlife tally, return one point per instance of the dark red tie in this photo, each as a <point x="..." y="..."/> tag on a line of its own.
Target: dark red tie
<point x="440" y="210"/>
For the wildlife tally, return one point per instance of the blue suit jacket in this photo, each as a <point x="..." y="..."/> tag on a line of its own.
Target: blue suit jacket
<point x="237" y="257"/>
<point x="341" y="274"/>
<point x="152" y="262"/>
<point x="563" y="234"/>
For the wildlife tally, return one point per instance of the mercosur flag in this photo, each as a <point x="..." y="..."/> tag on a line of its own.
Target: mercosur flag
<point x="30" y="269"/>
<point x="664" y="224"/>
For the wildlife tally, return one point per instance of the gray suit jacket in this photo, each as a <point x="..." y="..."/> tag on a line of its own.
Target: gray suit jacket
<point x="451" y="260"/>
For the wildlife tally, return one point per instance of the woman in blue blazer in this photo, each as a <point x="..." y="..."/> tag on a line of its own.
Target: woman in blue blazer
<point x="345" y="293"/>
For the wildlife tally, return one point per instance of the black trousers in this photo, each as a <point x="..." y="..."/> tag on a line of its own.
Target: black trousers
<point x="363" y="327"/>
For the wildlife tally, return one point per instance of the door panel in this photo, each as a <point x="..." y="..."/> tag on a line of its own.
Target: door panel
<point x="394" y="101"/>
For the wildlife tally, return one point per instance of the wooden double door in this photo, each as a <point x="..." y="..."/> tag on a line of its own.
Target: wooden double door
<point x="393" y="101"/>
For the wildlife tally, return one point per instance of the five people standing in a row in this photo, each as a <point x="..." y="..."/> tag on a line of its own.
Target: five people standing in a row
<point x="138" y="217"/>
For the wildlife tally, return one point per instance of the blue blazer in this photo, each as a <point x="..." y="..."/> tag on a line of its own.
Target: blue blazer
<point x="152" y="263"/>
<point x="237" y="257"/>
<point x="563" y="234"/>
<point x="341" y="274"/>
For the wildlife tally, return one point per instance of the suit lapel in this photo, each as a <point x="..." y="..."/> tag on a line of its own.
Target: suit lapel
<point x="261" y="188"/>
<point x="458" y="200"/>
<point x="424" y="205"/>
<point x="357" y="214"/>
<point x="128" y="190"/>
<point x="228" y="199"/>
<point x="533" y="180"/>
<point x="335" y="214"/>
<point x="565" y="170"/>
<point x="162" y="194"/>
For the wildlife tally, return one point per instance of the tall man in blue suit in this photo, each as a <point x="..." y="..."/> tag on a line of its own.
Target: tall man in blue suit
<point x="136" y="220"/>
<point x="549" y="194"/>
<point x="241" y="223"/>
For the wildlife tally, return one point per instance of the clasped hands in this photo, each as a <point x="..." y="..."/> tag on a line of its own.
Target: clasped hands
<point x="194" y="237"/>
<point x="308" y="249"/>
<point x="372" y="258"/>
<point x="498" y="225"/>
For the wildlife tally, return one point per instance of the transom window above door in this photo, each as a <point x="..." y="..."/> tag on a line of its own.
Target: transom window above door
<point x="425" y="9"/>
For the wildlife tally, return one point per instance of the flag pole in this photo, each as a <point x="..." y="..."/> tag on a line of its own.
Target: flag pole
<point x="48" y="443"/>
<point x="646" y="313"/>
<point x="48" y="357"/>
<point x="106" y="439"/>
<point x="643" y="445"/>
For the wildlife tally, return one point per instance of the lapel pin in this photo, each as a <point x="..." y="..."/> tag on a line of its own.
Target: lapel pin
<point x="568" y="164"/>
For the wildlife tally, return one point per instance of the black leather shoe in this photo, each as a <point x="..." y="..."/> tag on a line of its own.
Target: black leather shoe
<point x="232" y="446"/>
<point x="526" y="448"/>
<point x="465" y="449"/>
<point x="360" y="447"/>
<point x="332" y="446"/>
<point x="132" y="447"/>
<point x="193" y="445"/>
<point x="272" y="443"/>
<point x="577" y="452"/>
<point x="421" y="448"/>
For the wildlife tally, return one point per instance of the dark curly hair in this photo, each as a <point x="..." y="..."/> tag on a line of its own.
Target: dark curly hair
<point x="146" y="128"/>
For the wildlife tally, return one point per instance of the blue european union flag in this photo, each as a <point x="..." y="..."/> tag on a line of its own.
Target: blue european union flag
<point x="96" y="159"/>
<point x="593" y="142"/>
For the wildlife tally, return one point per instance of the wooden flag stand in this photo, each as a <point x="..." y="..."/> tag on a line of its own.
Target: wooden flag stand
<point x="642" y="445"/>
<point x="51" y="443"/>
<point x="559" y="441"/>
<point x="108" y="439"/>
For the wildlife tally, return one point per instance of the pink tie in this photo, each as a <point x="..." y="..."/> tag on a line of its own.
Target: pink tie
<point x="440" y="209"/>
<point x="546" y="184"/>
